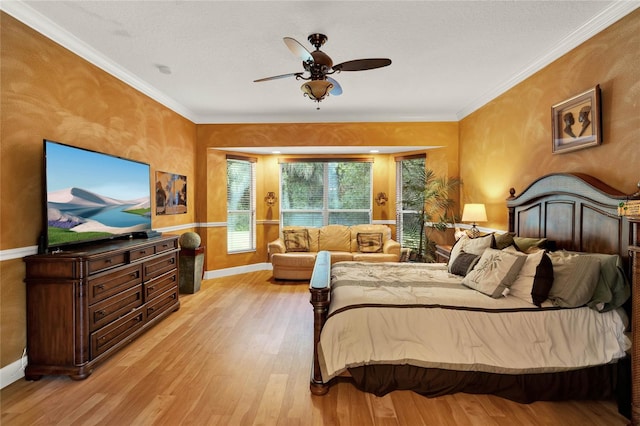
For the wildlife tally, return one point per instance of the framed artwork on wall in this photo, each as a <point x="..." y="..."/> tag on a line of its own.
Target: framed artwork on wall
<point x="171" y="193"/>
<point x="576" y="122"/>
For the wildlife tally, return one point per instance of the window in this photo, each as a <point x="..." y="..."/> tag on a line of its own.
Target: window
<point x="318" y="193"/>
<point x="241" y="201"/>
<point x="409" y="171"/>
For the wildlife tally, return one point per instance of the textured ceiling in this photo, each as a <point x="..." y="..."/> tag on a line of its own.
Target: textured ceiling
<point x="200" y="58"/>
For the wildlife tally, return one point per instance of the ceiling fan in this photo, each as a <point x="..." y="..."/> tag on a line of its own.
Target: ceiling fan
<point x="319" y="66"/>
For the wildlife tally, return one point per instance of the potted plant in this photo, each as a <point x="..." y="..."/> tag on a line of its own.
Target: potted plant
<point x="428" y="196"/>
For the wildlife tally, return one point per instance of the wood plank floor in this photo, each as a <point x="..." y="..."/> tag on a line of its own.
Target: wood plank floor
<point x="238" y="353"/>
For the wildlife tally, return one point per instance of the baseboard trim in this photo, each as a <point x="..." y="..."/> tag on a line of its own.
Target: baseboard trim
<point x="11" y="373"/>
<point x="218" y="273"/>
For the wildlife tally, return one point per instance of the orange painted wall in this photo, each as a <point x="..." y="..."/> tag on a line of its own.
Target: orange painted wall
<point x="49" y="92"/>
<point x="507" y="142"/>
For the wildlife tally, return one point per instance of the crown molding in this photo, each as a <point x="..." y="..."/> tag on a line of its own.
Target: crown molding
<point x="608" y="17"/>
<point x="32" y="18"/>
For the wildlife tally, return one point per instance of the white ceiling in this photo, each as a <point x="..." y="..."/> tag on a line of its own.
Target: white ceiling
<point x="449" y="57"/>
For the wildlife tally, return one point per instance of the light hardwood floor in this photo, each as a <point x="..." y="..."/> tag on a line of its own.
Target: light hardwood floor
<point x="238" y="353"/>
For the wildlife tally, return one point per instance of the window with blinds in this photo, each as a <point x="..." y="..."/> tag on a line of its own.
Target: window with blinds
<point x="318" y="193"/>
<point x="409" y="170"/>
<point x="241" y="202"/>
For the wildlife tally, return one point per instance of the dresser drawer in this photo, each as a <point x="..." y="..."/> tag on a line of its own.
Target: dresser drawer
<point x="98" y="264"/>
<point x="114" y="333"/>
<point x="114" y="307"/>
<point x="158" y="266"/>
<point x="106" y="285"/>
<point x="162" y="303"/>
<point x="142" y="252"/>
<point x="166" y="246"/>
<point x="160" y="285"/>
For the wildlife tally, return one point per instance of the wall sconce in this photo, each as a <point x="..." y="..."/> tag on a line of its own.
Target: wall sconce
<point x="271" y="199"/>
<point x="474" y="213"/>
<point x="381" y="199"/>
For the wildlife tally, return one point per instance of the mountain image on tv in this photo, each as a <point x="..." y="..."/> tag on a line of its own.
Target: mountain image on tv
<point x="76" y="214"/>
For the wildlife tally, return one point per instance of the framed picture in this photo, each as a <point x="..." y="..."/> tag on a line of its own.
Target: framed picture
<point x="576" y="122"/>
<point x="171" y="193"/>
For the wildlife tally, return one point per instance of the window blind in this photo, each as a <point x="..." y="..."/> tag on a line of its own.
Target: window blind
<point x="241" y="201"/>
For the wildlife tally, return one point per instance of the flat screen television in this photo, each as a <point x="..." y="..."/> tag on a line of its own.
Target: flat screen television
<point x="91" y="196"/>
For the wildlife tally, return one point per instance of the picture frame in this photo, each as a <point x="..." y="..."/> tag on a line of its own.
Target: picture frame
<point x="171" y="193"/>
<point x="577" y="122"/>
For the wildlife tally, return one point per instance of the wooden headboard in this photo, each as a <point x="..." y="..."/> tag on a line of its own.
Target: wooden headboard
<point x="580" y="213"/>
<point x="576" y="211"/>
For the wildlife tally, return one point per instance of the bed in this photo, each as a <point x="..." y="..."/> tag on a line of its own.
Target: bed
<point x="436" y="332"/>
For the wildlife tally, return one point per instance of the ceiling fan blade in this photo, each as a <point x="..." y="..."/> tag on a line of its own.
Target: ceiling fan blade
<point x="277" y="77"/>
<point x="337" y="89"/>
<point x="297" y="49"/>
<point x="362" y="64"/>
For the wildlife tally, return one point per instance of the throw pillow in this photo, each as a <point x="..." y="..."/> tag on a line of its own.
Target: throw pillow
<point x="469" y="245"/>
<point x="369" y="242"/>
<point x="296" y="239"/>
<point x="534" y="279"/>
<point x="494" y="272"/>
<point x="464" y="263"/>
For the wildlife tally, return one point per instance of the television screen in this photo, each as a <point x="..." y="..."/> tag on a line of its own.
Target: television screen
<point x="93" y="196"/>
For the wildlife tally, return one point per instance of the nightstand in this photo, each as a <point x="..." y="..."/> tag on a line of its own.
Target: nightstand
<point x="442" y="253"/>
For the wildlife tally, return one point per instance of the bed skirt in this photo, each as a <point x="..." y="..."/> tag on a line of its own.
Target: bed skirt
<point x="610" y="381"/>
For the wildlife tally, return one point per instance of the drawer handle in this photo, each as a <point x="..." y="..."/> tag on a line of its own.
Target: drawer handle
<point x="151" y="309"/>
<point x="100" y="287"/>
<point x="151" y="288"/>
<point x="134" y="275"/>
<point x="108" y="260"/>
<point x="100" y="313"/>
<point x="165" y="245"/>
<point x="172" y="260"/>
<point x="143" y="252"/>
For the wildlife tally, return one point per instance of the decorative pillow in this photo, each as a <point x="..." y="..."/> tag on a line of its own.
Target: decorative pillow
<point x="534" y="279"/>
<point x="574" y="278"/>
<point x="296" y="239"/>
<point x="494" y="272"/>
<point x="526" y="244"/>
<point x="369" y="242"/>
<point x="543" y="281"/>
<point x="469" y="245"/>
<point x="464" y="263"/>
<point x="502" y="241"/>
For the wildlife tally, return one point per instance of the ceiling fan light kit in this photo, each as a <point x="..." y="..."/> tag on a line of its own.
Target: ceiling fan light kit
<point x="319" y="66"/>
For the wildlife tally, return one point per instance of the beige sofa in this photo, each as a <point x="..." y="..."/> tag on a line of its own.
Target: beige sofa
<point x="294" y="253"/>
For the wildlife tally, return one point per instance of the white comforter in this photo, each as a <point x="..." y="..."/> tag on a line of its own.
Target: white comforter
<point x="425" y="317"/>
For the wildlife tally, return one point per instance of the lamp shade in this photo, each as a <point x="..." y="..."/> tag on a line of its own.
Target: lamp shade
<point x="474" y="213"/>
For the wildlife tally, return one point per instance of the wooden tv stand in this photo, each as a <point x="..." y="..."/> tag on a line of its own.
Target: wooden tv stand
<point x="85" y="304"/>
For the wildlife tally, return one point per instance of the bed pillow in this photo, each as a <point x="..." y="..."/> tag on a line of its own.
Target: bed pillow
<point x="296" y="239"/>
<point x="525" y="244"/>
<point x="464" y="263"/>
<point x="469" y="245"/>
<point x="495" y="271"/>
<point x="369" y="242"/>
<point x="502" y="241"/>
<point x="575" y="278"/>
<point x="612" y="289"/>
<point x="535" y="278"/>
